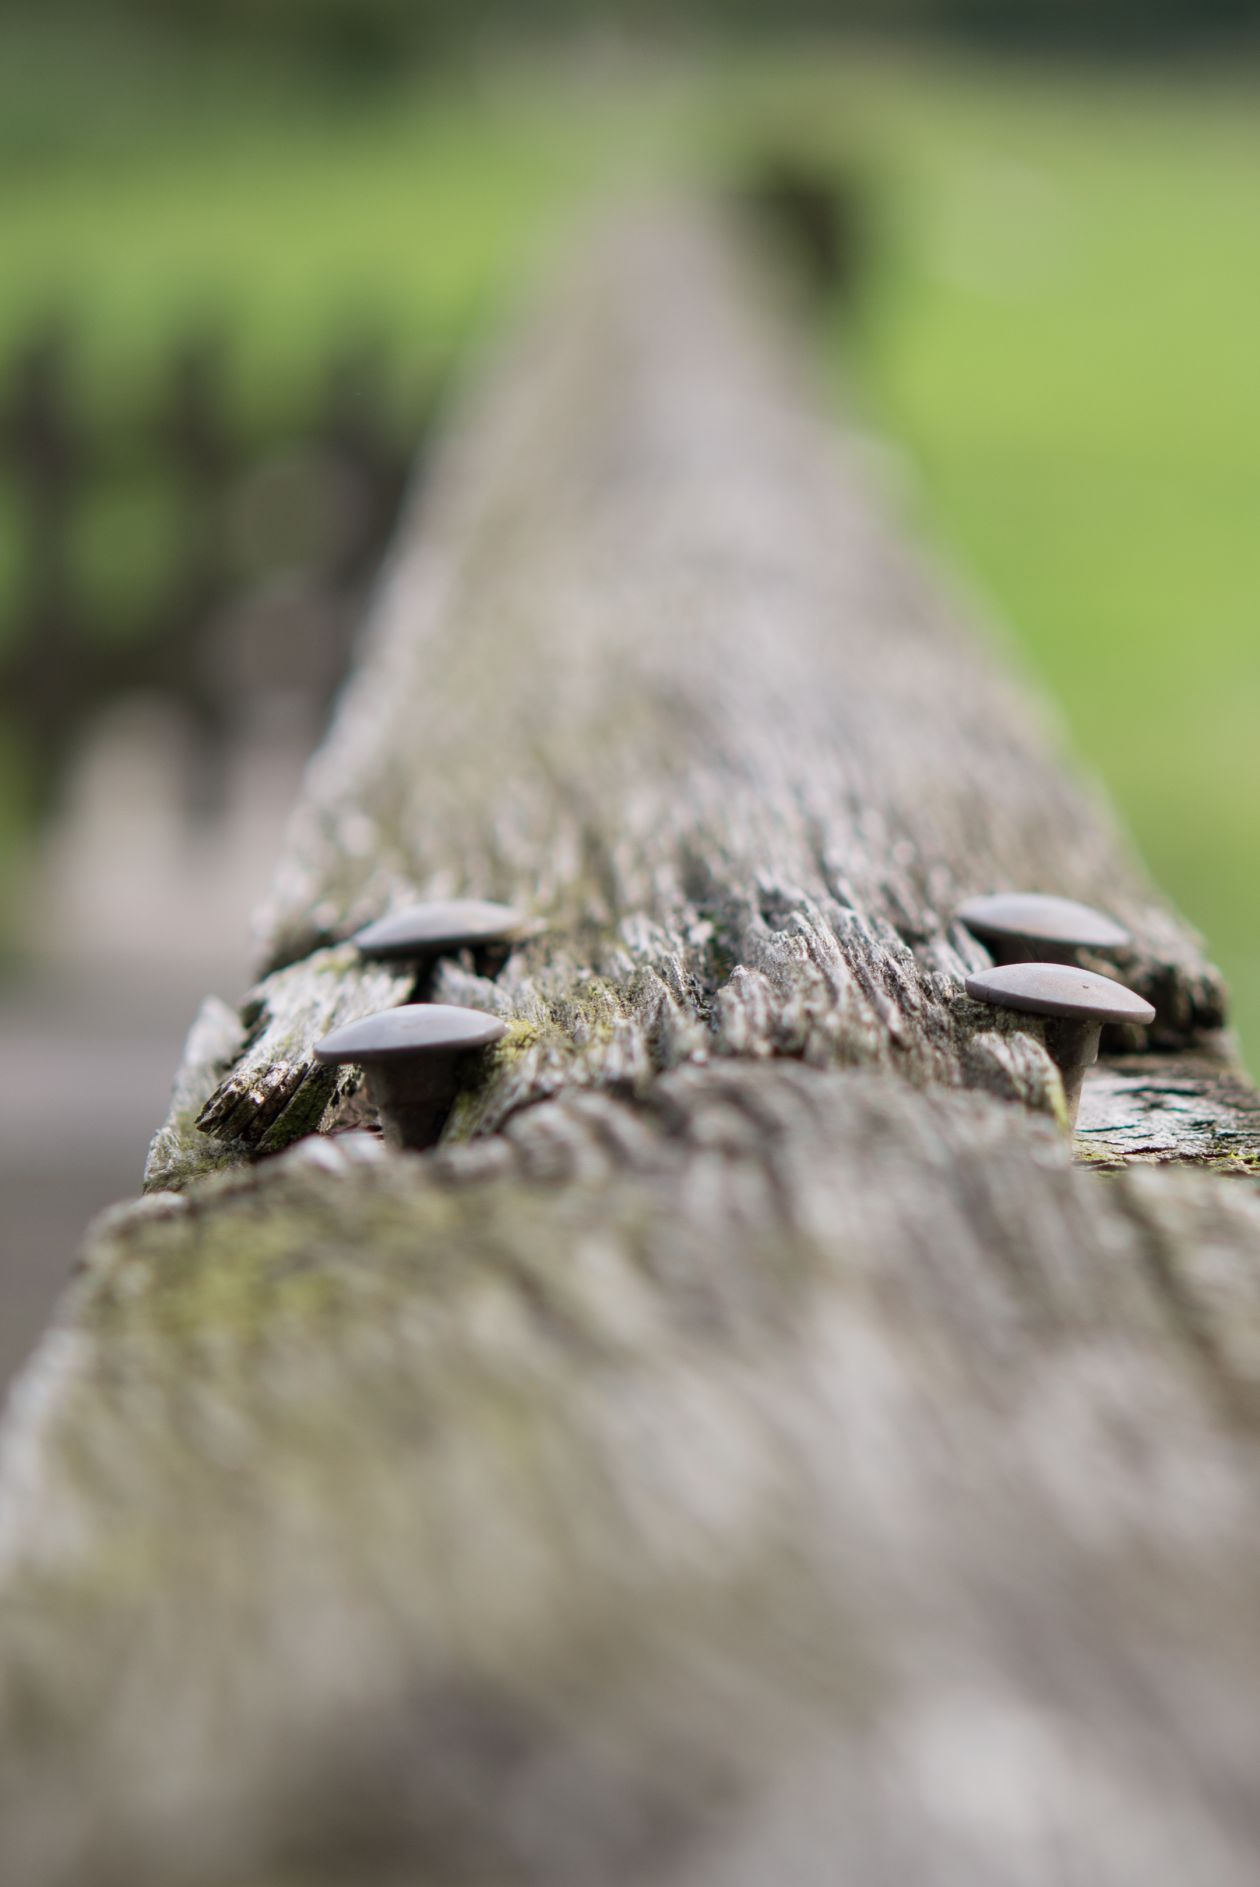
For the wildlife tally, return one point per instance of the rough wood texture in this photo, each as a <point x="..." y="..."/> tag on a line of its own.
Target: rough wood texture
<point x="655" y="669"/>
<point x="1161" y="1108"/>
<point x="275" y="1092"/>
<point x="748" y="1450"/>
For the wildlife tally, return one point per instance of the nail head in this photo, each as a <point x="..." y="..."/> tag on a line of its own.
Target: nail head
<point x="1033" y="917"/>
<point x="440" y="926"/>
<point x="1059" y="989"/>
<point x="414" y="1029"/>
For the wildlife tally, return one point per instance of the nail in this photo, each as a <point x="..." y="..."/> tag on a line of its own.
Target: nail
<point x="437" y="928"/>
<point x="1075" y="1002"/>
<point x="1029" y="927"/>
<point x="415" y="1058"/>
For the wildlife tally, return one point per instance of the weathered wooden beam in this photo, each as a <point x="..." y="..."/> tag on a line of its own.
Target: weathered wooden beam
<point x="748" y="1449"/>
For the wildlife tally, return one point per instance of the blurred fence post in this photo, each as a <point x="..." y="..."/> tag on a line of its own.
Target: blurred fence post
<point x="51" y="676"/>
<point x="58" y="670"/>
<point x="194" y="430"/>
<point x="356" y="428"/>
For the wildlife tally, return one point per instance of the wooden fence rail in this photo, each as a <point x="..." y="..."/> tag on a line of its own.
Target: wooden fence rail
<point x="749" y="1449"/>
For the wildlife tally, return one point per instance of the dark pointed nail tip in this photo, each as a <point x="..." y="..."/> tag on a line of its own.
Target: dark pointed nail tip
<point x="1059" y="989"/>
<point x="416" y="1029"/>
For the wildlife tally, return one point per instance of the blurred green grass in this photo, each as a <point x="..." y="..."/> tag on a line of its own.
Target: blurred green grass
<point x="1059" y="329"/>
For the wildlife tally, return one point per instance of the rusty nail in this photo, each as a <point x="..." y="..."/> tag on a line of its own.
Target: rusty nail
<point x="414" y="1058"/>
<point x="437" y="928"/>
<point x="1028" y="927"/>
<point x="1075" y="1003"/>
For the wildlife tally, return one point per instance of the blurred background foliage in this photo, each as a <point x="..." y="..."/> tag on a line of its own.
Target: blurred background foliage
<point x="369" y="33"/>
<point x="1055" y="335"/>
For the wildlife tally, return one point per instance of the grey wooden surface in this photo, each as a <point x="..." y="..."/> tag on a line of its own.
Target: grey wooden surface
<point x="750" y="1449"/>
